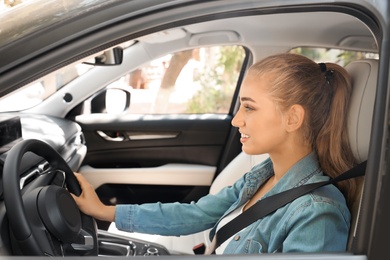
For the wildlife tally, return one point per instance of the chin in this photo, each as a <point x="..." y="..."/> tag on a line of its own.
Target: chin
<point x="252" y="151"/>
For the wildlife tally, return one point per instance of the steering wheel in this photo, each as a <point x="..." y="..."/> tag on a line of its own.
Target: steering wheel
<point x="46" y="220"/>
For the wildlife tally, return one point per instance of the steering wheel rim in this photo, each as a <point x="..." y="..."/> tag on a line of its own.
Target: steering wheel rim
<point x="18" y="220"/>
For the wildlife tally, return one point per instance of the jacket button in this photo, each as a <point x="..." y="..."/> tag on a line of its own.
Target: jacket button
<point x="237" y="237"/>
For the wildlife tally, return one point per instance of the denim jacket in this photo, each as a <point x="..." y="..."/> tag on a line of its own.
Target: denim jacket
<point x="315" y="222"/>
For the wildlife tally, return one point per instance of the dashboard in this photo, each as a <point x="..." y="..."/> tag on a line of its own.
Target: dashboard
<point x="10" y="132"/>
<point x="64" y="136"/>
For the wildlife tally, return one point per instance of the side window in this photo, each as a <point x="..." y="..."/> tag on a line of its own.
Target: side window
<point x="341" y="57"/>
<point x="193" y="81"/>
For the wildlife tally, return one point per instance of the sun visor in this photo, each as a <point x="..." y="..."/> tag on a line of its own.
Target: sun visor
<point x="216" y="37"/>
<point x="359" y="42"/>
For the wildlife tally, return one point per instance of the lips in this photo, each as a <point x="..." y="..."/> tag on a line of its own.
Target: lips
<point x="244" y="135"/>
<point x="244" y="138"/>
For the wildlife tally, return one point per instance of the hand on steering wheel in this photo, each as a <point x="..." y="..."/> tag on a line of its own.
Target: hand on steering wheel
<point x="90" y="204"/>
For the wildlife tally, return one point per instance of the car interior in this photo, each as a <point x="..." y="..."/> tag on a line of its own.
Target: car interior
<point x="206" y="155"/>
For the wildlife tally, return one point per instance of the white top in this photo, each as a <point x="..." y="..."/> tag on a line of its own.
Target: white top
<point x="222" y="223"/>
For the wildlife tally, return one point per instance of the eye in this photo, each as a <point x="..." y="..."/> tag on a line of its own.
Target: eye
<point x="248" y="108"/>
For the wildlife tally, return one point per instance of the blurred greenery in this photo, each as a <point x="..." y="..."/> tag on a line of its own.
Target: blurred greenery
<point x="341" y="57"/>
<point x="218" y="80"/>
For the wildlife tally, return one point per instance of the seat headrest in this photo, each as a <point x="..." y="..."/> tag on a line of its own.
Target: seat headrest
<point x="364" y="79"/>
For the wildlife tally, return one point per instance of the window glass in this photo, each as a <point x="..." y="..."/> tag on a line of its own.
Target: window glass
<point x="341" y="57"/>
<point x="193" y="81"/>
<point x="34" y="93"/>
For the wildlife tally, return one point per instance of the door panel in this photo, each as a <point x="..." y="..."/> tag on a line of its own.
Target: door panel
<point x="198" y="140"/>
<point x="168" y="174"/>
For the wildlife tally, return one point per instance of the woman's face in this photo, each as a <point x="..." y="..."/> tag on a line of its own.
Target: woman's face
<point x="260" y="122"/>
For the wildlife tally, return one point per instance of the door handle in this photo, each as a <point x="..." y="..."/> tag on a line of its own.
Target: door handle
<point x="114" y="136"/>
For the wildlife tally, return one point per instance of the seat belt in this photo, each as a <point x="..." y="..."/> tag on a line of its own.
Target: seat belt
<point x="268" y="205"/>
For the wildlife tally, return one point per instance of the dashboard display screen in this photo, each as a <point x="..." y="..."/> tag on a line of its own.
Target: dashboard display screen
<point x="10" y="131"/>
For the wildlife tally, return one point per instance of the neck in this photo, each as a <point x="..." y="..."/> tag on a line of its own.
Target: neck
<point x="283" y="161"/>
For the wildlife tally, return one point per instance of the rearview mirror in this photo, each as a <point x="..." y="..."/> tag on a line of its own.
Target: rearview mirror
<point x="109" y="57"/>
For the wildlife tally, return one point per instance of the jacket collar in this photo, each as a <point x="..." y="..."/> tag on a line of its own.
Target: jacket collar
<point x="297" y="175"/>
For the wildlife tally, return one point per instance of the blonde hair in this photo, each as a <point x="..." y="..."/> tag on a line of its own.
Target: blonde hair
<point x="324" y="93"/>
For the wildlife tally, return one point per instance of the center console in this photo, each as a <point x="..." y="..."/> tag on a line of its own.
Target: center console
<point x="116" y="245"/>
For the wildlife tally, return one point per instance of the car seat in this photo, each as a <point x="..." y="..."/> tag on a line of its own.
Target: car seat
<point x="364" y="76"/>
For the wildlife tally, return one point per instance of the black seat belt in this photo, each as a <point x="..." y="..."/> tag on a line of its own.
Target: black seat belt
<point x="268" y="205"/>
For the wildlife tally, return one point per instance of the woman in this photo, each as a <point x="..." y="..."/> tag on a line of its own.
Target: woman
<point x="293" y="109"/>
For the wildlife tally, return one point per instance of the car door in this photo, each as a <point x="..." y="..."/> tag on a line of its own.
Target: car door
<point x="172" y="131"/>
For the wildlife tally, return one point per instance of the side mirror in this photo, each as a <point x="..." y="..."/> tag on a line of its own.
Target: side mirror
<point x="110" y="57"/>
<point x="111" y="100"/>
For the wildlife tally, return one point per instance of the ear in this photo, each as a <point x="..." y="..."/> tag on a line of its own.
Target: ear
<point x="295" y="117"/>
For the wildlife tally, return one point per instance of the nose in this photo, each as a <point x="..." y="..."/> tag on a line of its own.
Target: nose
<point x="237" y="120"/>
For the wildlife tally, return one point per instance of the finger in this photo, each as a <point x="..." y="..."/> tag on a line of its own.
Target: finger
<point x="73" y="196"/>
<point x="82" y="181"/>
<point x="79" y="176"/>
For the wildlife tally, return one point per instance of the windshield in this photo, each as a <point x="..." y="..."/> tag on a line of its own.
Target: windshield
<point x="36" y="92"/>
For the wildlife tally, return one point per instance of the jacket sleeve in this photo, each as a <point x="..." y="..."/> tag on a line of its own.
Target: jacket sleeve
<point x="175" y="219"/>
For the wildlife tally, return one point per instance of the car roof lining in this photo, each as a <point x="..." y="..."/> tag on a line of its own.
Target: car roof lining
<point x="328" y="29"/>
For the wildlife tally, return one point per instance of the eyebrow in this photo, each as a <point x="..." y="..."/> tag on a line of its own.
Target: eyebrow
<point x="247" y="99"/>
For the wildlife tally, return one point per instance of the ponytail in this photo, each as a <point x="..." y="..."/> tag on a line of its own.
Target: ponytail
<point x="332" y="142"/>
